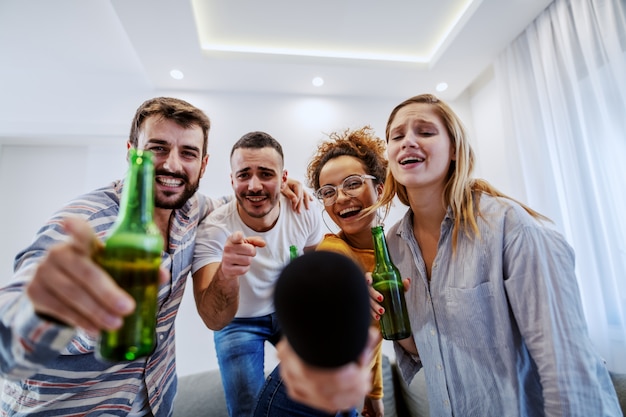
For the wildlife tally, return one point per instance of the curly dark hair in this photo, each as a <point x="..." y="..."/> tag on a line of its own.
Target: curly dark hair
<point x="360" y="143"/>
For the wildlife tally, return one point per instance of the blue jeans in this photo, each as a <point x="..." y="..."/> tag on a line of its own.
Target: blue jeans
<point x="274" y="402"/>
<point x="240" y="348"/>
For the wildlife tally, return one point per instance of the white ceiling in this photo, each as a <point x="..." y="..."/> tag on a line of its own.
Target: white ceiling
<point x="391" y="48"/>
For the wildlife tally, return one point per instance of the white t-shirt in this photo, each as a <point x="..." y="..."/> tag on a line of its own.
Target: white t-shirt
<point x="256" y="287"/>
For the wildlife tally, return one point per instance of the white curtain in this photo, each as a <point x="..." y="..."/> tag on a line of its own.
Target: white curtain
<point x="563" y="86"/>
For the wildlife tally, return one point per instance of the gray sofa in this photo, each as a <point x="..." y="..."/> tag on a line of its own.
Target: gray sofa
<point x="202" y="394"/>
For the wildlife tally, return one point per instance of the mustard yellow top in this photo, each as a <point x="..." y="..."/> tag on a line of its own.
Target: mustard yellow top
<point x="366" y="259"/>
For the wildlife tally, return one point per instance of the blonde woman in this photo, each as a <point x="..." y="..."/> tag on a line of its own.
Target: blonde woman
<point x="497" y="321"/>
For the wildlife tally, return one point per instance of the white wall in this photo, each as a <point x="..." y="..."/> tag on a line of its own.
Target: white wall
<point x="42" y="165"/>
<point x="497" y="158"/>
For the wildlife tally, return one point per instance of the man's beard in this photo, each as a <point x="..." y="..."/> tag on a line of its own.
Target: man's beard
<point x="189" y="190"/>
<point x="241" y="198"/>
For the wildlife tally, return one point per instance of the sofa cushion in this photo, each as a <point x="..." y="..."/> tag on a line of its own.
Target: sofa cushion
<point x="619" y="382"/>
<point x="414" y="397"/>
<point x="389" y="398"/>
<point x="200" y="395"/>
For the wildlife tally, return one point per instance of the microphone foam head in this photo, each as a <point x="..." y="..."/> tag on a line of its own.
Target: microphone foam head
<point x="323" y="307"/>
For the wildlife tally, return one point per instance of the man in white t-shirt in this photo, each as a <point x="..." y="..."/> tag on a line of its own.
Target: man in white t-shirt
<point x="240" y="251"/>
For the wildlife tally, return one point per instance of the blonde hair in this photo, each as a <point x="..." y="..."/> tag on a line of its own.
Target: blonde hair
<point x="461" y="190"/>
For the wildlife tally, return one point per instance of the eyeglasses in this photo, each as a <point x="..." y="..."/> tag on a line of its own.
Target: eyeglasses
<point x="352" y="186"/>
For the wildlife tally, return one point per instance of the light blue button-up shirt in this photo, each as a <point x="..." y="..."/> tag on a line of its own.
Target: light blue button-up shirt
<point x="499" y="327"/>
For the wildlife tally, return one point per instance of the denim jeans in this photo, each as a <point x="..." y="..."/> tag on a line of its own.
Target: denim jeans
<point x="274" y="401"/>
<point x="240" y="348"/>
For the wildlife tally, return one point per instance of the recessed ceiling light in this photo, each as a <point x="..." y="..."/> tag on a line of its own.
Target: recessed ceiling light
<point x="318" y="81"/>
<point x="442" y="87"/>
<point x="177" y="74"/>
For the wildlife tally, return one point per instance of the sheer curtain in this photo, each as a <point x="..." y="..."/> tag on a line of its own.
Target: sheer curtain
<point x="563" y="86"/>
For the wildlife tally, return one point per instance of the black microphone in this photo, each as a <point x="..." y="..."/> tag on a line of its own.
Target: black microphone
<point x="323" y="307"/>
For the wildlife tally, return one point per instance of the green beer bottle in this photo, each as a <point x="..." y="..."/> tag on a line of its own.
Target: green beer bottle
<point x="293" y="252"/>
<point x="386" y="279"/>
<point x="132" y="256"/>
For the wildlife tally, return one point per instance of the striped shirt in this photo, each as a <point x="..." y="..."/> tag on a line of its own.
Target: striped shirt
<point x="499" y="327"/>
<point x="50" y="369"/>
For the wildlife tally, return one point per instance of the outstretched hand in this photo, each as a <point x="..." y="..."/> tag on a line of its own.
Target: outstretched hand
<point x="330" y="390"/>
<point x="71" y="287"/>
<point x="238" y="253"/>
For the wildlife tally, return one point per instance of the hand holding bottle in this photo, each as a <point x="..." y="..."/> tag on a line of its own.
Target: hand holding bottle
<point x="376" y="297"/>
<point x="132" y="257"/>
<point x="386" y="279"/>
<point x="378" y="310"/>
<point x="327" y="389"/>
<point x="70" y="287"/>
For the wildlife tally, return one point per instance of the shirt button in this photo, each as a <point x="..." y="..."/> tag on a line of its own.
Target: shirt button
<point x="432" y="332"/>
<point x="439" y="367"/>
<point x="446" y="403"/>
<point x="161" y="336"/>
